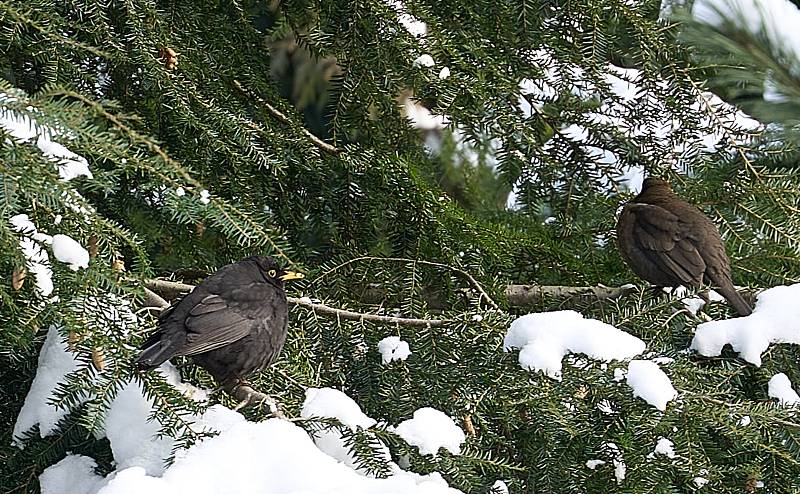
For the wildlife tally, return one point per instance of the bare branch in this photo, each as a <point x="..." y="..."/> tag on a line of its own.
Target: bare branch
<point x="358" y="316"/>
<point x="154" y="300"/>
<point x="523" y="295"/>
<point x="175" y="287"/>
<point x="324" y="146"/>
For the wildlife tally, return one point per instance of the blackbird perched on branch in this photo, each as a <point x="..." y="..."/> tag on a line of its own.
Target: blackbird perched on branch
<point x="669" y="242"/>
<point x="232" y="324"/>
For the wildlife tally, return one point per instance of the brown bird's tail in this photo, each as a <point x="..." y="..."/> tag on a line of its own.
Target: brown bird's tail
<point x="735" y="299"/>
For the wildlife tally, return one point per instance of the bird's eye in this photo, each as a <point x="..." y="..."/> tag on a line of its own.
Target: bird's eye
<point x="272" y="273"/>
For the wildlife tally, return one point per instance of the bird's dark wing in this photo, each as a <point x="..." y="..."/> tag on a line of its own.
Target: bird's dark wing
<point x="667" y="242"/>
<point x="217" y="320"/>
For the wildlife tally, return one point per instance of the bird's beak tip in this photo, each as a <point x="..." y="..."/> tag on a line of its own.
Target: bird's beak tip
<point x="292" y="275"/>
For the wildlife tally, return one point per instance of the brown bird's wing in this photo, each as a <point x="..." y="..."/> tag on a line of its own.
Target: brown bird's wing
<point x="667" y="242"/>
<point x="217" y="321"/>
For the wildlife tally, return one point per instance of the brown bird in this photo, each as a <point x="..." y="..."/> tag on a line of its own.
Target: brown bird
<point x="232" y="324"/>
<point x="669" y="242"/>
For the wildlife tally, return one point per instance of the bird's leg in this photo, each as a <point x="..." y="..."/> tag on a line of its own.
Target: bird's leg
<point x="242" y="391"/>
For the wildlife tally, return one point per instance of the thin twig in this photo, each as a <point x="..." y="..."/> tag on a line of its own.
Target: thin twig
<point x="472" y="281"/>
<point x="702" y="397"/>
<point x="172" y="286"/>
<point x="324" y="146"/>
<point x="358" y="316"/>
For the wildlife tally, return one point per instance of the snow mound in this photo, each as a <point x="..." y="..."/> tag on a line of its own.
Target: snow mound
<point x="546" y="337"/>
<point x="270" y="457"/>
<point x="781" y="388"/>
<point x="430" y="430"/>
<point x="332" y="403"/>
<point x="393" y="348"/>
<point x="67" y="250"/>
<point x="74" y="475"/>
<point x="55" y="362"/>
<point x="775" y="319"/>
<point x="650" y="383"/>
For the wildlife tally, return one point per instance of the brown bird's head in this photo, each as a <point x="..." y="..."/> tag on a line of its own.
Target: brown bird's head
<point x="656" y="183"/>
<point x="273" y="272"/>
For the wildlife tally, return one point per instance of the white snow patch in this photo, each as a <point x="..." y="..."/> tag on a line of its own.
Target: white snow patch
<point x="592" y="464"/>
<point x="745" y="421"/>
<point x="620" y="468"/>
<point x="205" y="196"/>
<point x="701" y="481"/>
<point x="775" y="319"/>
<point x="606" y="407"/>
<point x="545" y="338"/>
<point x="38" y="261"/>
<point x="664" y="447"/>
<point x="332" y="403"/>
<point x="430" y="430"/>
<point x="499" y="487"/>
<point x="67" y="250"/>
<point x="424" y="60"/>
<point x="421" y="117"/>
<point x="73" y="475"/>
<point x="650" y="383"/>
<point x="393" y="348"/>
<point x="663" y="360"/>
<point x="22" y="128"/>
<point x="444" y="73"/>
<point x="55" y="362"/>
<point x="781" y="388"/>
<point x="413" y="25"/>
<point x="180" y="191"/>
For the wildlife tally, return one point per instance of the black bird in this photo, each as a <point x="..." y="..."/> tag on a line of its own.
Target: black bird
<point x="232" y="324"/>
<point x="669" y="242"/>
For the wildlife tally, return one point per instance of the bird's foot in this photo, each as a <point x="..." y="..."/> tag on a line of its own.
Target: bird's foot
<point x="246" y="395"/>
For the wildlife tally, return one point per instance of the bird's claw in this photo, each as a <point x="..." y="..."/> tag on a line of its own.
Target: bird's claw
<point x="248" y="396"/>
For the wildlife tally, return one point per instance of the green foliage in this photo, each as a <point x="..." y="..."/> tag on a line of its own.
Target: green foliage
<point x="381" y="223"/>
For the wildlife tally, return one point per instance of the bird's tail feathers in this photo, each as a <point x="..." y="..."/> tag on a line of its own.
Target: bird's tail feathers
<point x="735" y="298"/>
<point x="154" y="355"/>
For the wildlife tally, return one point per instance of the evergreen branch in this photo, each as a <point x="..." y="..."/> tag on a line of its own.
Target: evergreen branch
<point x="715" y="401"/>
<point x="176" y="166"/>
<point x="56" y="38"/>
<point x="172" y="286"/>
<point x="322" y="145"/>
<point x="472" y="281"/>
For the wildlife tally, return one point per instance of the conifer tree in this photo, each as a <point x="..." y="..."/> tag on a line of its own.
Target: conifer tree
<point x="205" y="142"/>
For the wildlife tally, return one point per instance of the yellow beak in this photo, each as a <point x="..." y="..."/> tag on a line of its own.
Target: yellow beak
<point x="291" y="275"/>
